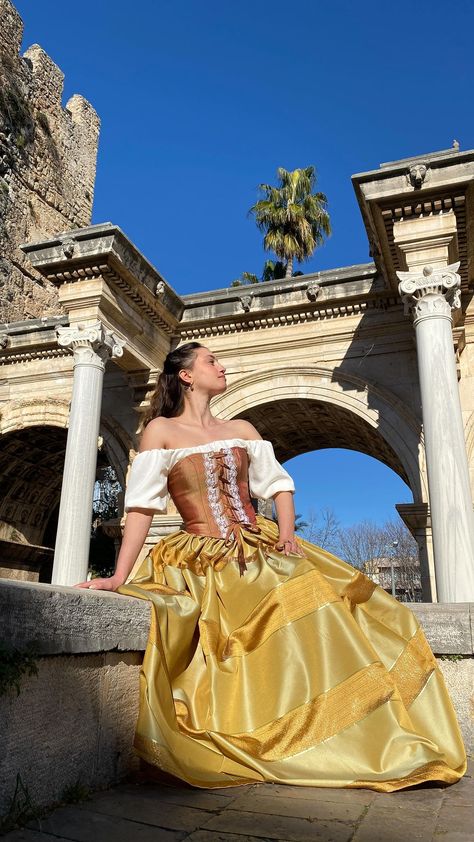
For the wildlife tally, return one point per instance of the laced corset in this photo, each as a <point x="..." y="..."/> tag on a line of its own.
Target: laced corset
<point x="211" y="492"/>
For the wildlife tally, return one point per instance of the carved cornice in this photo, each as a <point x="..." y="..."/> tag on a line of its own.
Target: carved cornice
<point x="430" y="292"/>
<point x="255" y="320"/>
<point x="162" y="319"/>
<point x="31" y="355"/>
<point x="104" y="252"/>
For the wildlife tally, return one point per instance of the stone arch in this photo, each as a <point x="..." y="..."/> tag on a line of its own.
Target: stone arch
<point x="117" y="444"/>
<point x="34" y="412"/>
<point x="54" y="412"/>
<point x="376" y="421"/>
<point x="33" y="433"/>
<point x="31" y="466"/>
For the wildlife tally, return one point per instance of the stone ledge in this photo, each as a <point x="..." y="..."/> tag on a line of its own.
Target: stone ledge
<point x="62" y="620"/>
<point x="449" y="626"/>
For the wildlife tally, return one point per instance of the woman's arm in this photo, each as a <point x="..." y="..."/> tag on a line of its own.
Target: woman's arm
<point x="137" y="525"/>
<point x="285" y="509"/>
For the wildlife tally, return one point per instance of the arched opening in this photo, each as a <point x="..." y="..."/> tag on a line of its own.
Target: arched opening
<point x="31" y="467"/>
<point x="305" y="410"/>
<point x="347" y="503"/>
<point x="298" y="425"/>
<point x="31" y="473"/>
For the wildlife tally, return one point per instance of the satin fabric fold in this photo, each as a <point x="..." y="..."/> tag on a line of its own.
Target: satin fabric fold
<point x="302" y="671"/>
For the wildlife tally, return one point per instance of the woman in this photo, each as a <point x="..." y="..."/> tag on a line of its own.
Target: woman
<point x="268" y="658"/>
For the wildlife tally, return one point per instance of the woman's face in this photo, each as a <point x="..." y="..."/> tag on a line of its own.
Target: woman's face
<point x="207" y="373"/>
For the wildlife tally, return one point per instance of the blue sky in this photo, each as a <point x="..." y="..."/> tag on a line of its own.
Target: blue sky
<point x="201" y="100"/>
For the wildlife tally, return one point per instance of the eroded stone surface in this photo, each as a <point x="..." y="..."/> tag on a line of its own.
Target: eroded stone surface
<point x="47" y="166"/>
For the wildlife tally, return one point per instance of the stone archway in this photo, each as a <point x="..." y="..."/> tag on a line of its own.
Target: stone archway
<point x="33" y="435"/>
<point x="31" y="465"/>
<point x="34" y="412"/>
<point x="314" y="407"/>
<point x="309" y="408"/>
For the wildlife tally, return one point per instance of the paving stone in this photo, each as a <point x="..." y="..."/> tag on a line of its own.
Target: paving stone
<point x="461" y="794"/>
<point x="396" y="824"/>
<point x="300" y="807"/>
<point x="318" y="793"/>
<point x="82" y="825"/>
<point x="286" y="828"/>
<point x="423" y="799"/>
<point x="203" y="799"/>
<point x="148" y="809"/>
<point x="215" y="836"/>
<point x="27" y="835"/>
<point x="261" y="813"/>
<point x="454" y="819"/>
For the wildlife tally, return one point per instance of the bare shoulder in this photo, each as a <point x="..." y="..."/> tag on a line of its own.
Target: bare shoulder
<point x="155" y="434"/>
<point x="245" y="430"/>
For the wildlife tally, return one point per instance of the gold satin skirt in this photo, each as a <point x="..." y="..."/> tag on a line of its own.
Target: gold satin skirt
<point x="301" y="671"/>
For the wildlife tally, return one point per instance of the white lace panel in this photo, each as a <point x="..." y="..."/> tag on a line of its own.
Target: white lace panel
<point x="214" y="491"/>
<point x="235" y="500"/>
<point x="213" y="494"/>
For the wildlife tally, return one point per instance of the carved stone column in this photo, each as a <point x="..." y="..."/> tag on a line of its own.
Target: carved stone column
<point x="92" y="347"/>
<point x="429" y="296"/>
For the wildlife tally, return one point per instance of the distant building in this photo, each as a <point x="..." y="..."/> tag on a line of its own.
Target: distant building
<point x="406" y="575"/>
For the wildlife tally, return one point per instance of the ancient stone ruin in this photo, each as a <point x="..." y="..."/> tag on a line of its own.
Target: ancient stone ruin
<point x="47" y="166"/>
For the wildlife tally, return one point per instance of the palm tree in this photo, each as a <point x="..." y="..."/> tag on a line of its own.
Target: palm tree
<point x="245" y="278"/>
<point x="294" y="219"/>
<point x="273" y="270"/>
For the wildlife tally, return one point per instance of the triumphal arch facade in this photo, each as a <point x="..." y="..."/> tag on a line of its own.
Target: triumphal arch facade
<point x="377" y="357"/>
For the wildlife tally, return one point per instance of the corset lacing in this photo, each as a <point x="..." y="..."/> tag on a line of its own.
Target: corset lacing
<point x="234" y="511"/>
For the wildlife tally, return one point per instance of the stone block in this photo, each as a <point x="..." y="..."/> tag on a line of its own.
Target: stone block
<point x="82" y="825"/>
<point x="129" y="803"/>
<point x="395" y="824"/>
<point x="74" y="722"/>
<point x="448" y="626"/>
<point x="287" y="828"/>
<point x="317" y="810"/>
<point x="455" y="819"/>
<point x="61" y="619"/>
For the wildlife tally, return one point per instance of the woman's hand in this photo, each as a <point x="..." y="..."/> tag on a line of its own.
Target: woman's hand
<point x="289" y="545"/>
<point x="109" y="583"/>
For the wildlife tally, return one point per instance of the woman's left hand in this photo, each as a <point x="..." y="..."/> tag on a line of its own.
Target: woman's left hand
<point x="289" y="545"/>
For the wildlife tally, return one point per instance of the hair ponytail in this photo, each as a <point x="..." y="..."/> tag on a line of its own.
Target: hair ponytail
<point x="168" y="396"/>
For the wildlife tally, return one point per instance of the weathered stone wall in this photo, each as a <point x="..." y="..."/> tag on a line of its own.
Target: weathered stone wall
<point x="47" y="166"/>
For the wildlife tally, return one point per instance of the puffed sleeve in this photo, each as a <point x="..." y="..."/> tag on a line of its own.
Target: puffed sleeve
<point x="147" y="486"/>
<point x="266" y="475"/>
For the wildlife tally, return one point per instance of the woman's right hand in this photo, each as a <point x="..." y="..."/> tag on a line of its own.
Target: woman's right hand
<point x="108" y="583"/>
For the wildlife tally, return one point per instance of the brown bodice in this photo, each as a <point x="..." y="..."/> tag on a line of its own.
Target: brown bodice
<point x="211" y="492"/>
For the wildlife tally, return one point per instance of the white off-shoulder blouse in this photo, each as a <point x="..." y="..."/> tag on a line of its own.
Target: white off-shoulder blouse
<point x="147" y="486"/>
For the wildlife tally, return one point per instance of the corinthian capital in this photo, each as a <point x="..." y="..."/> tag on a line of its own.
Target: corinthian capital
<point x="430" y="292"/>
<point x="92" y="344"/>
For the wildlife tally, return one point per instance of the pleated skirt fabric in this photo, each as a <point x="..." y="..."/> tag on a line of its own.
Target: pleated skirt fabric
<point x="302" y="671"/>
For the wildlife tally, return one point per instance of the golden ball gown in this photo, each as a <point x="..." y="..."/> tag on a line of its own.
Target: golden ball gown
<point x="266" y="667"/>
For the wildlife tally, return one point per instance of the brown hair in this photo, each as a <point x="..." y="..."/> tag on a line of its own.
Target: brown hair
<point x="168" y="397"/>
